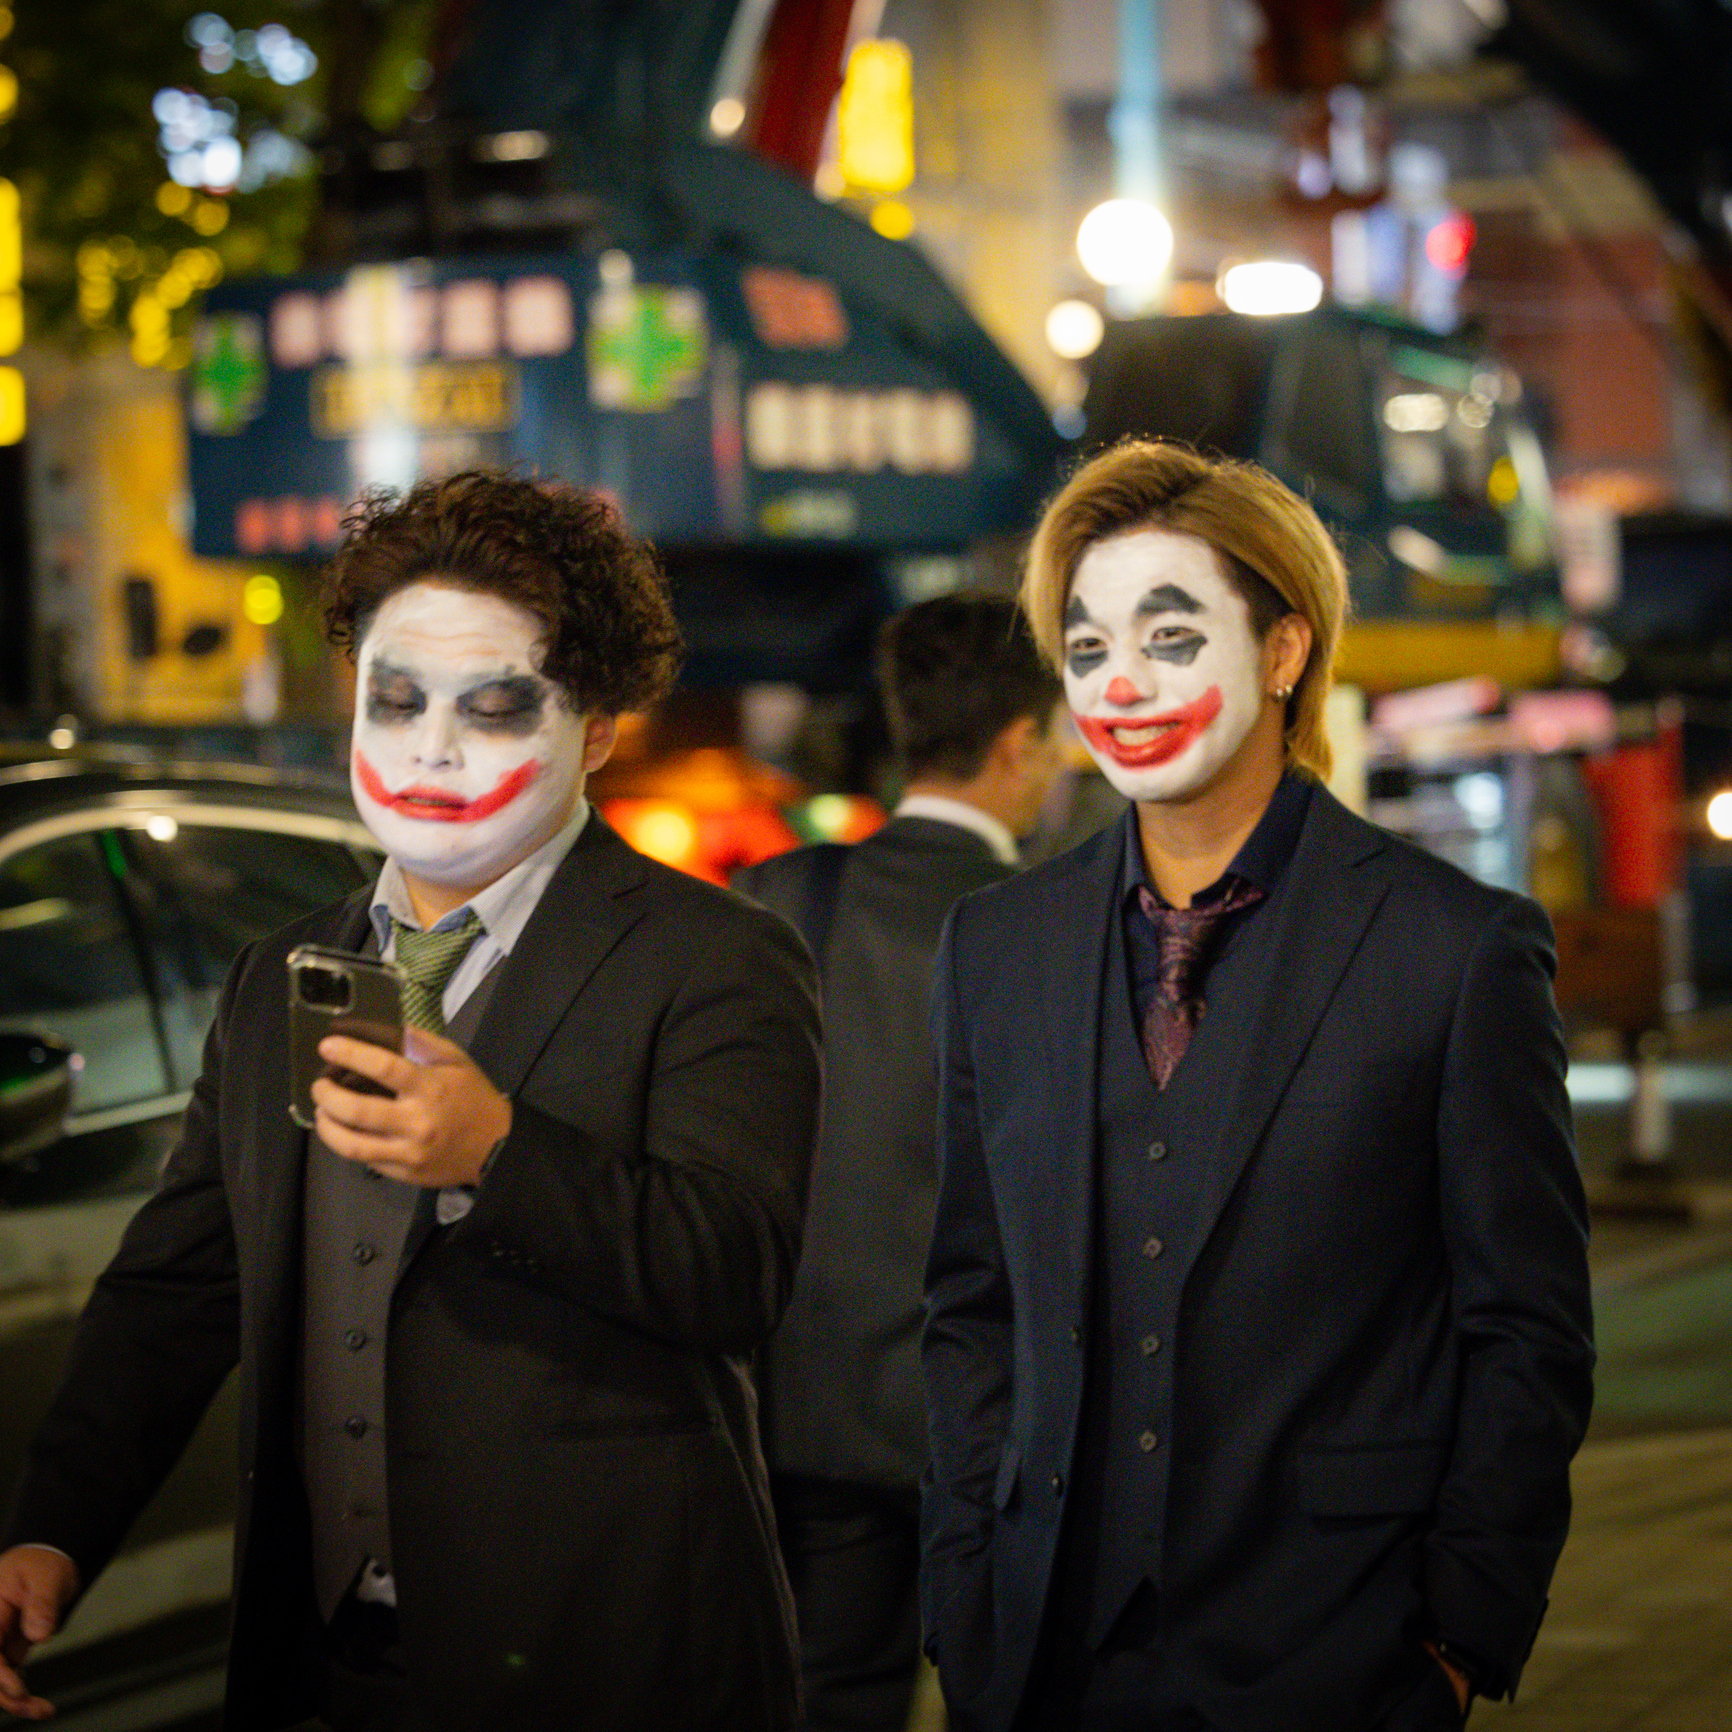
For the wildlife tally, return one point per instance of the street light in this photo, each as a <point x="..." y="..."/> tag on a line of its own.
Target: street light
<point x="1720" y="815"/>
<point x="1125" y="241"/>
<point x="1266" y="288"/>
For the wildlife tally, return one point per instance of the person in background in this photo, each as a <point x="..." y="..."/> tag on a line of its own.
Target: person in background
<point x="972" y="710"/>
<point x="500" y="1466"/>
<point x="1259" y="1337"/>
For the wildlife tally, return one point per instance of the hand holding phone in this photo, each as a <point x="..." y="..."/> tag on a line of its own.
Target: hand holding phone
<point x="337" y="992"/>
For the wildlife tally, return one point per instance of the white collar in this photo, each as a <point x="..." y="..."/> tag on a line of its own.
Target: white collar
<point x="503" y="907"/>
<point x="943" y="810"/>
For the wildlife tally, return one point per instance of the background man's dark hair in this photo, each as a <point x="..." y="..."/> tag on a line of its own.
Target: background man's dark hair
<point x="955" y="673"/>
<point x="558" y="552"/>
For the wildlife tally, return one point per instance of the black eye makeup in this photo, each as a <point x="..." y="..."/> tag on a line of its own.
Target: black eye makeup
<point x="393" y="696"/>
<point x="1176" y="644"/>
<point x="1168" y="598"/>
<point x="513" y="706"/>
<point x="1083" y="655"/>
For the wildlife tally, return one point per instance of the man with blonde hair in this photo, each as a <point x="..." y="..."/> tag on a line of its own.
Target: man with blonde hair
<point x="1258" y="1334"/>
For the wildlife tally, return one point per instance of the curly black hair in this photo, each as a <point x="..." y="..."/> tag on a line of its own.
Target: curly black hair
<point x="558" y="552"/>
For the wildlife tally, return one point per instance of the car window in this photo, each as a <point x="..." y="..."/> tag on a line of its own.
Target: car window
<point x="207" y="890"/>
<point x="69" y="964"/>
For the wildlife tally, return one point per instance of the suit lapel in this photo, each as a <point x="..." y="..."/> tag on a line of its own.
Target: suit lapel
<point x="590" y="903"/>
<point x="1082" y="903"/>
<point x="1333" y="887"/>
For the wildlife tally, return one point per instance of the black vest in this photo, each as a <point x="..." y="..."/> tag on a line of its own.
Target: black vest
<point x="1151" y="1150"/>
<point x="357" y="1227"/>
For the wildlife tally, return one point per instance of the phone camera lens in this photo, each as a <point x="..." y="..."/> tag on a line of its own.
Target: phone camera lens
<point x="323" y="988"/>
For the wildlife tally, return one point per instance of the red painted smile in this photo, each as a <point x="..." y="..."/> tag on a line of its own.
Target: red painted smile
<point x="440" y="805"/>
<point x="1138" y="742"/>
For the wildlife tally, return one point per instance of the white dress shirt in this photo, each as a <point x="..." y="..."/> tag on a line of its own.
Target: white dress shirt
<point x="943" y="810"/>
<point x="503" y="909"/>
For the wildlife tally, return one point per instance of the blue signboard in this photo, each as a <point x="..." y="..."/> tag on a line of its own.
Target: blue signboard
<point x="719" y="402"/>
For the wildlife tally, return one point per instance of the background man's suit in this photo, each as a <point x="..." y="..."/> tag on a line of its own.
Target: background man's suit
<point x="580" y="1526"/>
<point x="846" y="1411"/>
<point x="1359" y="1430"/>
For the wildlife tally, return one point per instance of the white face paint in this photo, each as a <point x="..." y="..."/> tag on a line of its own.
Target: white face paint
<point x="464" y="758"/>
<point x="1161" y="668"/>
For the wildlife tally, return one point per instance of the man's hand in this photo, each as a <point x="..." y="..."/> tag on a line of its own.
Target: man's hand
<point x="446" y="1120"/>
<point x="1463" y="1689"/>
<point x="36" y="1584"/>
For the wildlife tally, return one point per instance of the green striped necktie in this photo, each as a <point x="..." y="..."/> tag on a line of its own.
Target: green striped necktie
<point x="428" y="960"/>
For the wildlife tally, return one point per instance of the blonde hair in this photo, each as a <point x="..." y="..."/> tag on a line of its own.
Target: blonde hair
<point x="1261" y="530"/>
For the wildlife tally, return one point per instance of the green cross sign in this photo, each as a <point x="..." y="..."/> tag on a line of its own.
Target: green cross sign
<point x="647" y="346"/>
<point x="229" y="372"/>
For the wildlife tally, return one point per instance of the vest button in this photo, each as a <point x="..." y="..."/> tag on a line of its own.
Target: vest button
<point x="1152" y="1246"/>
<point x="1157" y="1151"/>
<point x="355" y="1340"/>
<point x="355" y="1425"/>
<point x="1057" y="1484"/>
<point x="1151" y="1345"/>
<point x="1147" y="1442"/>
<point x="364" y="1253"/>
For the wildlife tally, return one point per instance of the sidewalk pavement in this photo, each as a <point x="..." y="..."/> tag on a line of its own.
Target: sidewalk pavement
<point x="1639" y="1635"/>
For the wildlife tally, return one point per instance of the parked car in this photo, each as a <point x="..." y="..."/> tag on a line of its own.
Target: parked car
<point x="127" y="886"/>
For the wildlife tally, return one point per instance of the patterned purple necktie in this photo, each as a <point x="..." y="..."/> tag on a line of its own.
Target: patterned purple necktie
<point x="1183" y="934"/>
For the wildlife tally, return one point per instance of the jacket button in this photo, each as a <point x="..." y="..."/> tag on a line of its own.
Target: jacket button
<point x="1157" y="1151"/>
<point x="1151" y="1345"/>
<point x="1152" y="1246"/>
<point x="355" y="1425"/>
<point x="364" y="1253"/>
<point x="1057" y="1484"/>
<point x="1147" y="1442"/>
<point x="355" y="1339"/>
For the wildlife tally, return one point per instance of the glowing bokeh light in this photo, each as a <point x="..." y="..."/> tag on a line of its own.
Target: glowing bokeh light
<point x="1074" y="329"/>
<point x="1268" y="288"/>
<point x="665" y="833"/>
<point x="1125" y="240"/>
<point x="262" y="599"/>
<point x="892" y="219"/>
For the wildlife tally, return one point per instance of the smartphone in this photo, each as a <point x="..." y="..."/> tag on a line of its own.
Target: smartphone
<point x="335" y="992"/>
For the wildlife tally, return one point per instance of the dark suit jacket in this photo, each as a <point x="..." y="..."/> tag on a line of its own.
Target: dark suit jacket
<point x="1383" y="1356"/>
<point x="844" y="1396"/>
<point x="580" y="1523"/>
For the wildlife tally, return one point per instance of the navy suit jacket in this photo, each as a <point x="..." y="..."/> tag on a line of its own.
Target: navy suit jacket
<point x="1383" y="1357"/>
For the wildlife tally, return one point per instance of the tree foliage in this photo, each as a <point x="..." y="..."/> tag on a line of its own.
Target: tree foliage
<point x="113" y="244"/>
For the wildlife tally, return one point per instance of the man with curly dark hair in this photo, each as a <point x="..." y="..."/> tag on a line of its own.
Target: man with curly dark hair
<point x="500" y="1454"/>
